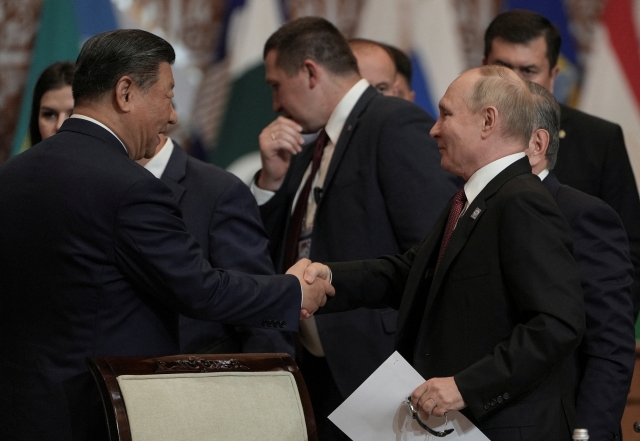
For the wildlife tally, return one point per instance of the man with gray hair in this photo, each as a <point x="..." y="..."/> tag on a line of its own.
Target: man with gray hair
<point x="95" y="259"/>
<point x="490" y="305"/>
<point x="606" y="355"/>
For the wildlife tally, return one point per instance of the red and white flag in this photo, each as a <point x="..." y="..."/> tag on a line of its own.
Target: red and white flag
<point x="612" y="81"/>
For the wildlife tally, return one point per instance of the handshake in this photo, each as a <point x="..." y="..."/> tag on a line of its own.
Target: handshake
<point x="315" y="279"/>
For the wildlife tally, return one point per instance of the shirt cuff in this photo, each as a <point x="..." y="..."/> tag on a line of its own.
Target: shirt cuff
<point x="262" y="196"/>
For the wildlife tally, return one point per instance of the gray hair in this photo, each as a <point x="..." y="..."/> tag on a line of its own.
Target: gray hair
<point x="502" y="88"/>
<point x="547" y="117"/>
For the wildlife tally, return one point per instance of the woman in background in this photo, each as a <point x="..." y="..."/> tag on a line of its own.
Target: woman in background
<point x="52" y="101"/>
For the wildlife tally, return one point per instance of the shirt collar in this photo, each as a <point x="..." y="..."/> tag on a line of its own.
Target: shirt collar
<point x="343" y="109"/>
<point x="543" y="174"/>
<point x="158" y="163"/>
<point x="86" y="118"/>
<point x="484" y="175"/>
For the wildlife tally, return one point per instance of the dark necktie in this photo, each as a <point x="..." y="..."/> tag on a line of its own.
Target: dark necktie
<point x="454" y="214"/>
<point x="295" y="226"/>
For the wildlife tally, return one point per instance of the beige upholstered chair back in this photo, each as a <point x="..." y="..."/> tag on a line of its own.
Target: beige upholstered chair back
<point x="211" y="397"/>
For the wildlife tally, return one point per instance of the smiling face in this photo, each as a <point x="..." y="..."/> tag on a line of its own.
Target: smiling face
<point x="56" y="106"/>
<point x="458" y="130"/>
<point x="528" y="60"/>
<point x="153" y="112"/>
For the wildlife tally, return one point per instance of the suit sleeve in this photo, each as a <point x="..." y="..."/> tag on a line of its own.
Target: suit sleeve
<point x="607" y="351"/>
<point x="238" y="241"/>
<point x="619" y="190"/>
<point x="373" y="283"/>
<point x="414" y="185"/>
<point x="153" y="249"/>
<point x="542" y="286"/>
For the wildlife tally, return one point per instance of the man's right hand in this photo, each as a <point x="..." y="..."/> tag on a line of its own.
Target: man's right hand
<point x="278" y="141"/>
<point x="314" y="295"/>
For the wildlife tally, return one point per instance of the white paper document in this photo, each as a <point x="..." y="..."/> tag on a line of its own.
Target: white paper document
<point x="375" y="410"/>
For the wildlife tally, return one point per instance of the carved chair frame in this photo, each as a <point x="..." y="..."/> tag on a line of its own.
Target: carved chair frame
<point x="105" y="370"/>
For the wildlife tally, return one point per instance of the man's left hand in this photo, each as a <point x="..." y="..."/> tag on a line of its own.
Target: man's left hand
<point x="437" y="397"/>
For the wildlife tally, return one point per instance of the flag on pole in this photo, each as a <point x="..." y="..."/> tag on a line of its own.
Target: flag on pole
<point x="611" y="88"/>
<point x="63" y="27"/>
<point x="234" y="102"/>
<point x="427" y="30"/>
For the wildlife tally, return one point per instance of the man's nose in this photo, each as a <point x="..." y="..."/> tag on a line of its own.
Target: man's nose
<point x="173" y="119"/>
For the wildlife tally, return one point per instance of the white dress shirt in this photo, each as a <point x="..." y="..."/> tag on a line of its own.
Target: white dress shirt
<point x="86" y="118"/>
<point x="479" y="180"/>
<point x="158" y="163"/>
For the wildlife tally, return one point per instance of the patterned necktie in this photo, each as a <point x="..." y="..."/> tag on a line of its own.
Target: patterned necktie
<point x="297" y="218"/>
<point x="454" y="214"/>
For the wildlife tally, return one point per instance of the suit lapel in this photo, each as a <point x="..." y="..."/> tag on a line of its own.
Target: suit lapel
<point x="175" y="172"/>
<point x="421" y="268"/>
<point x="468" y="222"/>
<point x="347" y="131"/>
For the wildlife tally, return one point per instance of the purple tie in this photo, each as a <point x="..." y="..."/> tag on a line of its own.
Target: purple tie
<point x="295" y="226"/>
<point x="456" y="208"/>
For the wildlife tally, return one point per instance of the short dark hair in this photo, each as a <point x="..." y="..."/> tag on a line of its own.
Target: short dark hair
<point x="55" y="76"/>
<point x="311" y="38"/>
<point x="108" y="56"/>
<point x="547" y="117"/>
<point x="520" y="26"/>
<point x="402" y="62"/>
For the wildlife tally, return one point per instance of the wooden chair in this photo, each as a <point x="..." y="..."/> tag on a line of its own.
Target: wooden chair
<point x="212" y="396"/>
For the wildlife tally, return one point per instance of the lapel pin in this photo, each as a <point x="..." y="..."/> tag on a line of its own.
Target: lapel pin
<point x="476" y="213"/>
<point x="349" y="128"/>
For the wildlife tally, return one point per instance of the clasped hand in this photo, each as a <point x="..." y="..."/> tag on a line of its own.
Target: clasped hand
<point x="315" y="281"/>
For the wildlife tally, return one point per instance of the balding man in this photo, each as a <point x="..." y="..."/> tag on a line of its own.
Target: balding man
<point x="592" y="156"/>
<point x="490" y="304"/>
<point x="404" y="72"/>
<point x="376" y="64"/>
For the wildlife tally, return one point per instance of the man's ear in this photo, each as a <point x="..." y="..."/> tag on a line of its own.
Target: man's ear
<point x="124" y="90"/>
<point x="538" y="145"/>
<point x="489" y="121"/>
<point x="311" y="71"/>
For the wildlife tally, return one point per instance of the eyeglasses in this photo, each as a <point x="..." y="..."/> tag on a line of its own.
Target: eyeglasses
<point x="415" y="416"/>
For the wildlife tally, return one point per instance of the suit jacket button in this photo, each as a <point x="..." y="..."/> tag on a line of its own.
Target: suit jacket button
<point x="493" y="403"/>
<point x="506" y="395"/>
<point x="499" y="399"/>
<point x="487" y="406"/>
<point x="282" y="323"/>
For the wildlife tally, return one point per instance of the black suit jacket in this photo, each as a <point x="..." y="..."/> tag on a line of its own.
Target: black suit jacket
<point x="95" y="260"/>
<point x="383" y="191"/>
<point x="221" y="213"/>
<point x="502" y="314"/>
<point x="606" y="355"/>
<point x="593" y="159"/>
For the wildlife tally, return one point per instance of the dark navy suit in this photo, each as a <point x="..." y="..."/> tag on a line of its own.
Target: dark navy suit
<point x="593" y="159"/>
<point x="221" y="213"/>
<point x="95" y="260"/>
<point x="606" y="355"/>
